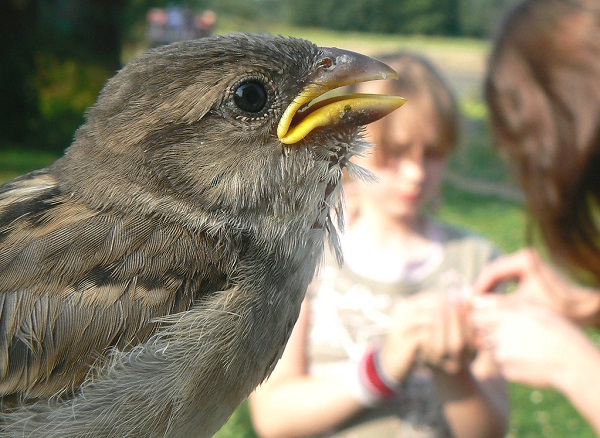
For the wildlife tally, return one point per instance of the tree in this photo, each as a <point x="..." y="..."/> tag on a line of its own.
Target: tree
<point x="56" y="54"/>
<point x="18" y="98"/>
<point x="427" y="17"/>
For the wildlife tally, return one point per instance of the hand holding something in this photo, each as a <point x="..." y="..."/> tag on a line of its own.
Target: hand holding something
<point x="540" y="283"/>
<point x="531" y="344"/>
<point x="431" y="328"/>
<point x="407" y="332"/>
<point x="450" y="343"/>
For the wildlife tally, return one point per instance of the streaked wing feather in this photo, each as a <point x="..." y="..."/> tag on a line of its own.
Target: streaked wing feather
<point x="76" y="282"/>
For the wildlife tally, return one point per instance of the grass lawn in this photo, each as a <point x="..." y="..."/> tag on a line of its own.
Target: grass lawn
<point x="15" y="162"/>
<point x="535" y="412"/>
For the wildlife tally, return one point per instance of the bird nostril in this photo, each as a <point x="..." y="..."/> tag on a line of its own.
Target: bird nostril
<point x="327" y="63"/>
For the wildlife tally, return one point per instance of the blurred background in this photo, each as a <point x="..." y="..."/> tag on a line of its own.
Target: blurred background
<point x="55" y="56"/>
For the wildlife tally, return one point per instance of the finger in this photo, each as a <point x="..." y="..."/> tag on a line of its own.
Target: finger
<point x="487" y="342"/>
<point x="468" y="327"/>
<point x="462" y="335"/>
<point x="454" y="335"/>
<point x="495" y="301"/>
<point x="454" y="346"/>
<point x="435" y="347"/>
<point x="490" y="311"/>
<point x="506" y="268"/>
<point x="446" y="343"/>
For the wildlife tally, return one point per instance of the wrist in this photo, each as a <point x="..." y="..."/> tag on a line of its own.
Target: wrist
<point x="580" y="360"/>
<point x="451" y="383"/>
<point x="374" y="384"/>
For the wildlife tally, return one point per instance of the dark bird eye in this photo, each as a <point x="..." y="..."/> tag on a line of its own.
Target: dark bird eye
<point x="251" y="97"/>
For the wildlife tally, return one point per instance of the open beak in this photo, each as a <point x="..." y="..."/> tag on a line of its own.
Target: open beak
<point x="337" y="69"/>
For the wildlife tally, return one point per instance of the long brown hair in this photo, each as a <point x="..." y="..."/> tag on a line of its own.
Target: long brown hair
<point x="543" y="89"/>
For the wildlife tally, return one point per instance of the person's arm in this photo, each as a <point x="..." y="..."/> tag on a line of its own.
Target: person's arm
<point x="291" y="403"/>
<point x="580" y="381"/>
<point x="535" y="346"/>
<point x="475" y="399"/>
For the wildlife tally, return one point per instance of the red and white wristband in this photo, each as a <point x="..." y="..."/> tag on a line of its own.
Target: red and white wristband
<point x="374" y="385"/>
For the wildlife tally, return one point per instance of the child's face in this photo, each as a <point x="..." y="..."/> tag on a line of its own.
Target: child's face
<point x="413" y="168"/>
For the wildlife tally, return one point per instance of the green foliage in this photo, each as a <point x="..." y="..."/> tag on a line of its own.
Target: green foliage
<point x="17" y="94"/>
<point x="426" y="17"/>
<point x="256" y="10"/>
<point x="58" y="55"/>
<point x="66" y="88"/>
<point x="60" y="52"/>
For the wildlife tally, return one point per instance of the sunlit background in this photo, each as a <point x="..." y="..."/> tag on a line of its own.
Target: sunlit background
<point x="55" y="55"/>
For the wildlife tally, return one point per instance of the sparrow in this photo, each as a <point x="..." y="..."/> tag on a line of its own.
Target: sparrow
<point x="150" y="277"/>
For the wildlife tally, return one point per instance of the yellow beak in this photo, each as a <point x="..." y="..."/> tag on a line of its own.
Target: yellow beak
<point x="338" y="68"/>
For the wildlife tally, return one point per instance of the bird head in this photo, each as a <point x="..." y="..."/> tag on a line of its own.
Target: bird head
<point x="229" y="125"/>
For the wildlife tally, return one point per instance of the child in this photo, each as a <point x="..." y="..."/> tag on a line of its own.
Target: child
<point x="383" y="347"/>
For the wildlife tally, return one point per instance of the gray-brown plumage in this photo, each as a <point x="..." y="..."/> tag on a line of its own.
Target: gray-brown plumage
<point x="162" y="261"/>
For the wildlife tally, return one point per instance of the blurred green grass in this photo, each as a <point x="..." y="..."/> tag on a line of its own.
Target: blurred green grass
<point x="15" y="161"/>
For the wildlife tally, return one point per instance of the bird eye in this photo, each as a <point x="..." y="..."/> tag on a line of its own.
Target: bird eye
<point x="250" y="97"/>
